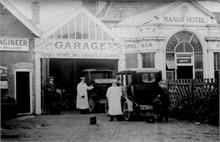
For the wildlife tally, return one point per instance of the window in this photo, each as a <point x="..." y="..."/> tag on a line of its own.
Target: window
<point x="148" y="77"/>
<point x="3" y="81"/>
<point x="129" y="79"/>
<point x="198" y="66"/>
<point x="171" y="75"/>
<point x="216" y="64"/>
<point x="148" y="60"/>
<point x="131" y="60"/>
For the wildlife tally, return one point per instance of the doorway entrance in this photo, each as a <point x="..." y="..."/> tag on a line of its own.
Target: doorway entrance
<point x="184" y="72"/>
<point x="23" y="91"/>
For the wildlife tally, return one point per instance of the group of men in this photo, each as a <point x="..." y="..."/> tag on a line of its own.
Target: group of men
<point x="114" y="94"/>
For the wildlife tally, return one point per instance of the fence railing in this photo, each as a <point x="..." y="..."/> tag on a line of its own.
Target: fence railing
<point x="195" y="99"/>
<point x="185" y="91"/>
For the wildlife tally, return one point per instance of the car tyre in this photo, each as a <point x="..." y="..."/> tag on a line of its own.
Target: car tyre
<point x="91" y="105"/>
<point x="126" y="113"/>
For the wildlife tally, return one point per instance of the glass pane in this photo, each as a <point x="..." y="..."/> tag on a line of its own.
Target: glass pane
<point x="72" y="29"/>
<point x="171" y="44"/>
<point x="105" y="35"/>
<point x="78" y="27"/>
<point x="85" y="26"/>
<point x="196" y="45"/>
<point x="148" y="77"/>
<point x="179" y="47"/>
<point x="217" y="75"/>
<point x="216" y="61"/>
<point x="170" y="75"/>
<point x="58" y="34"/>
<point x="198" y="61"/>
<point x="91" y="30"/>
<point x="170" y="56"/>
<point x="199" y="75"/>
<point x="148" y="60"/>
<point x="65" y="31"/>
<point x="129" y="79"/>
<point x="183" y="36"/>
<point x="131" y="60"/>
<point x="98" y="32"/>
<point x="188" y="47"/>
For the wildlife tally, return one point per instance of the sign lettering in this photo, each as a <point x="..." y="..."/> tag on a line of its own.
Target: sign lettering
<point x="78" y="49"/>
<point x="183" y="19"/>
<point x="11" y="44"/>
<point x="184" y="59"/>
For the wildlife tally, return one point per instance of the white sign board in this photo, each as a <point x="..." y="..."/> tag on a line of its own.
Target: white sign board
<point x="185" y="13"/>
<point x="49" y="48"/>
<point x="14" y="44"/>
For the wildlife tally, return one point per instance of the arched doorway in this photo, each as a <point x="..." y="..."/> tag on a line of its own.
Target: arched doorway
<point x="184" y="58"/>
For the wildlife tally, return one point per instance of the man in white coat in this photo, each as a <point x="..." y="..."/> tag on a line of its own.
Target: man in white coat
<point x="113" y="95"/>
<point x="82" y="102"/>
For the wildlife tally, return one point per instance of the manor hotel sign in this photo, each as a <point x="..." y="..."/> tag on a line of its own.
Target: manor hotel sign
<point x="184" y="19"/>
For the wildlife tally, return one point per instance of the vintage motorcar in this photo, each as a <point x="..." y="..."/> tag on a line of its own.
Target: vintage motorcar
<point x="101" y="79"/>
<point x="139" y="88"/>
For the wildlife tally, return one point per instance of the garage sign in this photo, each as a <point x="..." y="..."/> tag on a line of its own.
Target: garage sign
<point x="50" y="48"/>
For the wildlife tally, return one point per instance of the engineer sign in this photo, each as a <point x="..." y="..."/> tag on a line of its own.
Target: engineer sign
<point x="14" y="44"/>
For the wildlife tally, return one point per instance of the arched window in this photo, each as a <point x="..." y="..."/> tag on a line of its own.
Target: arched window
<point x="184" y="42"/>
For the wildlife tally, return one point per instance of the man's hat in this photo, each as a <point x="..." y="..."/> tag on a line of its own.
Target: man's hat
<point x="51" y="77"/>
<point x="82" y="77"/>
<point x="114" y="81"/>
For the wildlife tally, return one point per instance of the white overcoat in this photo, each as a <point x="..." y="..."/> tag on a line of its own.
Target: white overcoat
<point x="82" y="103"/>
<point x="113" y="95"/>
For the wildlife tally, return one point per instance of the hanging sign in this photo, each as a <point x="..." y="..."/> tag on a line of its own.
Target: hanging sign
<point x="14" y="44"/>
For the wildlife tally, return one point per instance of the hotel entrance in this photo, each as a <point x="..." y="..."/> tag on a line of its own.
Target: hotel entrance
<point x="184" y="72"/>
<point x="184" y="56"/>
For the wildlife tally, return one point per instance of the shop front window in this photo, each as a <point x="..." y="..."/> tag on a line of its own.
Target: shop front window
<point x="148" y="60"/>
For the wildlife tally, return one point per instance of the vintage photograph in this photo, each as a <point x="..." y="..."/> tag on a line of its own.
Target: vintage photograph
<point x="109" y="70"/>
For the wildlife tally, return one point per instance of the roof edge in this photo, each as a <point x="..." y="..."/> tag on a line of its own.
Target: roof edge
<point x="14" y="11"/>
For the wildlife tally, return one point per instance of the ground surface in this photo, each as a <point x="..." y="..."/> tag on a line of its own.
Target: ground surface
<point x="75" y="127"/>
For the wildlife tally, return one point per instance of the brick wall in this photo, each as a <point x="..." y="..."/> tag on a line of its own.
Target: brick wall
<point x="11" y="27"/>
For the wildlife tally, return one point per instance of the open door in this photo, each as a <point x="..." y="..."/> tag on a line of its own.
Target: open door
<point x="23" y="92"/>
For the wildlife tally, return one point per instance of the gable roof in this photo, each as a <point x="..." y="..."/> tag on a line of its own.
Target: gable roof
<point x="14" y="11"/>
<point x="157" y="12"/>
<point x="49" y="9"/>
<point x="56" y="23"/>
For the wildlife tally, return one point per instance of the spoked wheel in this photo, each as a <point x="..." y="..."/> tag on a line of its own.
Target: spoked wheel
<point x="127" y="114"/>
<point x="91" y="105"/>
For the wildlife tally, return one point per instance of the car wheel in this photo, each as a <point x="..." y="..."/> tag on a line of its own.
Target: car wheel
<point x="91" y="105"/>
<point x="126" y="113"/>
<point x="106" y="107"/>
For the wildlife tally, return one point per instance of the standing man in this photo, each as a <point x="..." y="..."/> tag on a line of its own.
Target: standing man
<point x="165" y="100"/>
<point x="82" y="102"/>
<point x="113" y="95"/>
<point x="50" y="92"/>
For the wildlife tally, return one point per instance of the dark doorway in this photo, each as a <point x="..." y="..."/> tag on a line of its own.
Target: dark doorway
<point x="23" y="92"/>
<point x="184" y="72"/>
